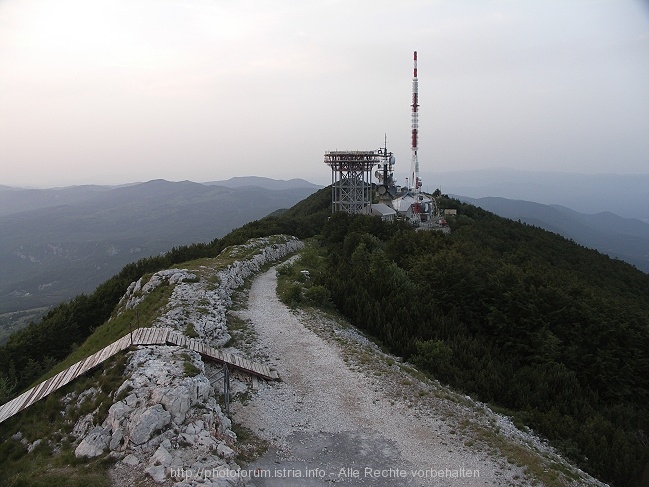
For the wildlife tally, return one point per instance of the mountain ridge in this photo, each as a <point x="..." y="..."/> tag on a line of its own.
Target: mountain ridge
<point x="623" y="194"/>
<point x="262" y="182"/>
<point x="623" y="238"/>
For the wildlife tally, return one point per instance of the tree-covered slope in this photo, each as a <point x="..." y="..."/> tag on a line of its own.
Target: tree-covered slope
<point x="515" y="315"/>
<point x="626" y="239"/>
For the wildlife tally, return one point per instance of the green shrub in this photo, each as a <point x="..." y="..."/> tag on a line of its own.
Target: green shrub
<point x="190" y="331"/>
<point x="292" y="296"/>
<point x="287" y="269"/>
<point x="319" y="296"/>
<point x="190" y="369"/>
<point x="434" y="356"/>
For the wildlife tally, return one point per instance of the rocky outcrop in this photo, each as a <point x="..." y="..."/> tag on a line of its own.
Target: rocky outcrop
<point x="202" y="301"/>
<point x="168" y="418"/>
<point x="94" y="444"/>
<point x="138" y="290"/>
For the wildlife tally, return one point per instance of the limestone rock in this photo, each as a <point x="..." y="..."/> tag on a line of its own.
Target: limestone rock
<point x="117" y="441"/>
<point x="225" y="452"/>
<point x="157" y="473"/>
<point x="94" y="443"/>
<point x="30" y="448"/>
<point x="131" y="460"/>
<point x="161" y="457"/>
<point x="117" y="413"/>
<point x="171" y="418"/>
<point x="176" y="400"/>
<point x="146" y="422"/>
<point x="83" y="425"/>
<point x="131" y="400"/>
<point x="224" y="427"/>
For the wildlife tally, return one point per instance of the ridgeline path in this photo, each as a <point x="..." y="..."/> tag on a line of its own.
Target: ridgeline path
<point x="335" y="418"/>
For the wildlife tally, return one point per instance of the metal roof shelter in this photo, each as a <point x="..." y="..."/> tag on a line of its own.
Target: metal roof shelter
<point x="380" y="209"/>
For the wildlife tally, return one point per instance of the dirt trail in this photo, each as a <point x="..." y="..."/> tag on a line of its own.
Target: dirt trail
<point x="331" y="422"/>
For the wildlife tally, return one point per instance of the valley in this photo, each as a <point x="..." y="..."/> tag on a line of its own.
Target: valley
<point x="58" y="243"/>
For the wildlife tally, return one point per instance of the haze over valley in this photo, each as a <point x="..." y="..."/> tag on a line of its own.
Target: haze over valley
<point x="57" y="243"/>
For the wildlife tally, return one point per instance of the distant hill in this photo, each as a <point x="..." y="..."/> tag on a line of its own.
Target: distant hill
<point x="15" y="200"/>
<point x="623" y="238"/>
<point x="57" y="243"/>
<point x="626" y="195"/>
<point x="240" y="182"/>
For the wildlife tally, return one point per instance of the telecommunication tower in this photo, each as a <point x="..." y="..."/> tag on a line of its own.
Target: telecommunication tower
<point x="351" y="183"/>
<point x="415" y="181"/>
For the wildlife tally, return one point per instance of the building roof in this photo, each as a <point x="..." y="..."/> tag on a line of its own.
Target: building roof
<point x="403" y="203"/>
<point x="380" y="209"/>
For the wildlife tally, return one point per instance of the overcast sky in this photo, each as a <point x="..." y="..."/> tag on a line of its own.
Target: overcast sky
<point x="115" y="91"/>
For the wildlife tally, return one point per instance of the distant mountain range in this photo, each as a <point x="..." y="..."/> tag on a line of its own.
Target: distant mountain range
<point x="57" y="243"/>
<point x="276" y="184"/>
<point x="626" y="195"/>
<point x="15" y="200"/>
<point x="623" y="238"/>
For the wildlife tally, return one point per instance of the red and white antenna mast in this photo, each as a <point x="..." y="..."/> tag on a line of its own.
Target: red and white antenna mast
<point x="415" y="181"/>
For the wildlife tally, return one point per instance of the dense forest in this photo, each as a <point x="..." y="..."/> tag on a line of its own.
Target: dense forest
<point x="516" y="316"/>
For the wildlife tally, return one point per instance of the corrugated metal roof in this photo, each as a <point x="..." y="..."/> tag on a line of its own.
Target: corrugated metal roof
<point x="141" y="336"/>
<point x="379" y="209"/>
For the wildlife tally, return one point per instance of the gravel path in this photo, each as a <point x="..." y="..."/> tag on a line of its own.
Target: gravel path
<point x="331" y="421"/>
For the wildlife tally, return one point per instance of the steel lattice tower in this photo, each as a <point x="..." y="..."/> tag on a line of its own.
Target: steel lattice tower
<point x="351" y="183"/>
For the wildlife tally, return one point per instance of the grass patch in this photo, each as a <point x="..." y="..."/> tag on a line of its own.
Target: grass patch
<point x="41" y="469"/>
<point x="190" y="369"/>
<point x="547" y="472"/>
<point x="235" y="323"/>
<point x="240" y="297"/>
<point x="148" y="310"/>
<point x="239" y="330"/>
<point x="413" y="372"/>
<point x="249" y="446"/>
<point x="190" y="331"/>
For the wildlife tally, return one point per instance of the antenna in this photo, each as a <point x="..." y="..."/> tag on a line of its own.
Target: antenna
<point x="415" y="181"/>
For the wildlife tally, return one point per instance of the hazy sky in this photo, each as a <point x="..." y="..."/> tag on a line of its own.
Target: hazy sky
<point x="115" y="91"/>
